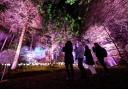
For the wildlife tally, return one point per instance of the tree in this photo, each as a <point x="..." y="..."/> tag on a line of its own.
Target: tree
<point x="19" y="16"/>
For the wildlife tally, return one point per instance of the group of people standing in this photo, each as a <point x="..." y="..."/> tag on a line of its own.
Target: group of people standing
<point x="82" y="51"/>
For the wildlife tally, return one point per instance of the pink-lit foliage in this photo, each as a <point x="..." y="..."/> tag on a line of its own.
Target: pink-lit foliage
<point x="18" y="13"/>
<point x="21" y="12"/>
<point x="98" y="34"/>
<point x="113" y="15"/>
<point x="7" y="56"/>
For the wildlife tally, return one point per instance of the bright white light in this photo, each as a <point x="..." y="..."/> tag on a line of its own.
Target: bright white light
<point x="8" y="64"/>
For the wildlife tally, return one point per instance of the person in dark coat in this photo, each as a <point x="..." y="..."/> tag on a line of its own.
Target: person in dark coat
<point x="68" y="59"/>
<point x="88" y="55"/>
<point x="100" y="53"/>
<point x="89" y="59"/>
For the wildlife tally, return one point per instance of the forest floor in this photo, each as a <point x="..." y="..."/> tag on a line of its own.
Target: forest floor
<point x="116" y="78"/>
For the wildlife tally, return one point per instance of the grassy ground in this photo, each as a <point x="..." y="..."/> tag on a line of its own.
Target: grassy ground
<point x="116" y="78"/>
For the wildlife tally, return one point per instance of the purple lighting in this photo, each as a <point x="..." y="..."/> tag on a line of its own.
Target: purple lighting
<point x="32" y="56"/>
<point x="110" y="61"/>
<point x="39" y="53"/>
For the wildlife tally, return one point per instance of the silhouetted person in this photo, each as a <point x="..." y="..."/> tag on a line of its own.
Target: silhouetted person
<point x="101" y="53"/>
<point x="80" y="56"/>
<point x="68" y="59"/>
<point x="89" y="60"/>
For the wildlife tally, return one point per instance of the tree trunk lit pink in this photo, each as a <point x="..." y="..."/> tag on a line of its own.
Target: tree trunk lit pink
<point x="18" y="49"/>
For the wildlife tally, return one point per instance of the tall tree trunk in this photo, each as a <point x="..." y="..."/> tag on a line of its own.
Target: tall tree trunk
<point x="4" y="43"/>
<point x="112" y="40"/>
<point x="12" y="38"/>
<point x="31" y="41"/>
<point x="14" y="64"/>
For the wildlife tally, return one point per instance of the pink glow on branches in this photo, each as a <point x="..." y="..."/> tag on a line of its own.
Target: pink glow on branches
<point x="18" y="13"/>
<point x="100" y="34"/>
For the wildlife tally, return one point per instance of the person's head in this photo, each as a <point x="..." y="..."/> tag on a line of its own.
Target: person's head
<point x="86" y="47"/>
<point x="80" y="44"/>
<point x="68" y="43"/>
<point x="96" y="45"/>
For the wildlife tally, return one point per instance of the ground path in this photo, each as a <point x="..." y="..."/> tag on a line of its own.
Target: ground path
<point x="117" y="78"/>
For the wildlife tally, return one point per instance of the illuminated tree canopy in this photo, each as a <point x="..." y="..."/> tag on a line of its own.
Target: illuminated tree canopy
<point x="52" y="22"/>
